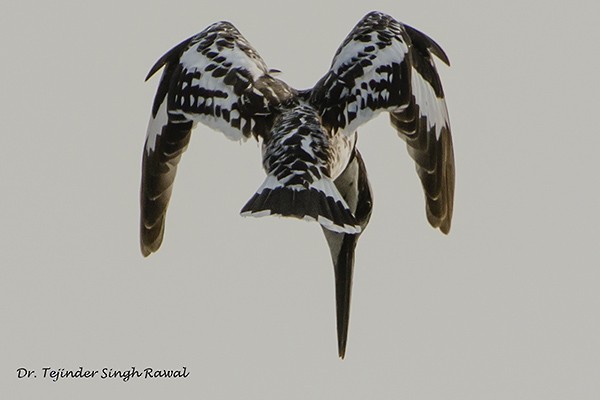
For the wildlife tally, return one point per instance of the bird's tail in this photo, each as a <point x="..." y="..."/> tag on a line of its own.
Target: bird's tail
<point x="318" y="201"/>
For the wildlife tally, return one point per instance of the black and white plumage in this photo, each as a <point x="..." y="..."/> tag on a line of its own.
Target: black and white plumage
<point x="314" y="170"/>
<point x="300" y="158"/>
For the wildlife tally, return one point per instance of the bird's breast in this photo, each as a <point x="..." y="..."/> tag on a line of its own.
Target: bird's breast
<point x="341" y="148"/>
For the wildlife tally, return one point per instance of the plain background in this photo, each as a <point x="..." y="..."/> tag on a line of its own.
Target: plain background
<point x="505" y="307"/>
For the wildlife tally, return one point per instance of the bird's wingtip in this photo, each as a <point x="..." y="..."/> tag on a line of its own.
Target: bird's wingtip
<point x="145" y="251"/>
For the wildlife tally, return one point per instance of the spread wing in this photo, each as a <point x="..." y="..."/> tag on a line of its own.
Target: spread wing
<point x="384" y="65"/>
<point x="215" y="78"/>
<point x="425" y="127"/>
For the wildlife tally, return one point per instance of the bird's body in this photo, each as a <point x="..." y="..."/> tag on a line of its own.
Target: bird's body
<point x="314" y="170"/>
<point x="302" y="160"/>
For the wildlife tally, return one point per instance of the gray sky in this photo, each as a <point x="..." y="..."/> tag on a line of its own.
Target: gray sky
<point x="505" y="307"/>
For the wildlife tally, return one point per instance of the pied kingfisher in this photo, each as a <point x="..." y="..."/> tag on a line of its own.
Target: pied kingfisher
<point x="314" y="170"/>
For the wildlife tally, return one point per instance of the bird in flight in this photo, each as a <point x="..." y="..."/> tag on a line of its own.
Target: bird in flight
<point x="314" y="169"/>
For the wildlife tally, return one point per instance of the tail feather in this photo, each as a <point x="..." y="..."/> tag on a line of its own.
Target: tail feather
<point x="320" y="202"/>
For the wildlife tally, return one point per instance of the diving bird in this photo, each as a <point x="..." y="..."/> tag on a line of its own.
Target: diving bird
<point x="308" y="137"/>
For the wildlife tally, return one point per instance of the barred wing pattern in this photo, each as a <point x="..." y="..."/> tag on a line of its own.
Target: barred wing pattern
<point x="384" y="65"/>
<point x="215" y="78"/>
<point x="369" y="74"/>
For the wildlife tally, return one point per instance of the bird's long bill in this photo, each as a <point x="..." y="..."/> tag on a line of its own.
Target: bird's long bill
<point x="342" y="247"/>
